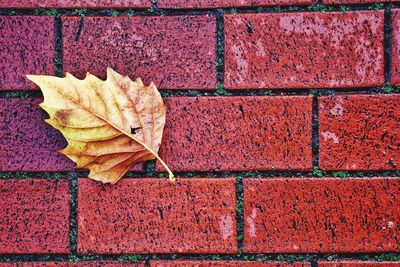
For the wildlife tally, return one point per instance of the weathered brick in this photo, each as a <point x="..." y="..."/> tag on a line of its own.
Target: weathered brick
<point x="345" y="2"/>
<point x="237" y="133"/>
<point x="357" y="264"/>
<point x="324" y="215"/>
<point x="205" y="263"/>
<point x="359" y="132"/>
<point x="395" y="47"/>
<point x="73" y="264"/>
<point x="155" y="216"/>
<point x="27" y="143"/>
<point x="75" y="4"/>
<point x="26" y="47"/>
<point x="228" y="3"/>
<point x="175" y="52"/>
<point x="304" y="50"/>
<point x="34" y="216"/>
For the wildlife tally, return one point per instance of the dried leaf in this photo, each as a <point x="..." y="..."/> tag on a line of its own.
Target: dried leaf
<point x="109" y="125"/>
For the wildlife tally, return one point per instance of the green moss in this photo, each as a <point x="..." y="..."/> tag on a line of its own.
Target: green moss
<point x="221" y="91"/>
<point x="233" y="11"/>
<point x="293" y="8"/>
<point x="114" y="13"/>
<point x="340" y="174"/>
<point x="277" y="9"/>
<point x="317" y="172"/>
<point x="45" y="12"/>
<point x="73" y="258"/>
<point x="376" y="6"/>
<point x="193" y="93"/>
<point x="318" y="8"/>
<point x="80" y="12"/>
<point x="344" y="8"/>
<point x="130" y="12"/>
<point x="130" y="258"/>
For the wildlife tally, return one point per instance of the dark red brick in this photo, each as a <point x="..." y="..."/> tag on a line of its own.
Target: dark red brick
<point x="228" y="3"/>
<point x="75" y="4"/>
<point x="34" y="216"/>
<point x="27" y="143"/>
<point x="237" y="133"/>
<point x="395" y="47"/>
<point x="359" y="132"/>
<point x="155" y="216"/>
<point x="304" y="50"/>
<point x="345" y="2"/>
<point x="326" y="215"/>
<point x="357" y="264"/>
<point x="205" y="263"/>
<point x="175" y="52"/>
<point x="73" y="264"/>
<point x="26" y="47"/>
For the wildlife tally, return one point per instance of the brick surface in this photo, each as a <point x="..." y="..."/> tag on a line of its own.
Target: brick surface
<point x="237" y="133"/>
<point x="205" y="263"/>
<point x="34" y="216"/>
<point x="175" y="52"/>
<point x="75" y="4"/>
<point x="321" y="215"/>
<point x="156" y="216"/>
<point x="359" y="132"/>
<point x="73" y="264"/>
<point x="344" y="2"/>
<point x="304" y="50"/>
<point x="357" y="264"/>
<point x="26" y="47"/>
<point x="27" y="143"/>
<point x="395" y="46"/>
<point x="228" y="3"/>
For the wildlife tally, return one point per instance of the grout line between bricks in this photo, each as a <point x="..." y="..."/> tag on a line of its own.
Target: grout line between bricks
<point x="73" y="231"/>
<point x="239" y="214"/>
<point x="387" y="44"/>
<point x="220" y="47"/>
<point x="58" y="61"/>
<point x="315" y="134"/>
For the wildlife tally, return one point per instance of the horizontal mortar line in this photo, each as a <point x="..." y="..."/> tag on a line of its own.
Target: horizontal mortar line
<point x="235" y="92"/>
<point x="192" y="11"/>
<point x="281" y="257"/>
<point x="208" y="174"/>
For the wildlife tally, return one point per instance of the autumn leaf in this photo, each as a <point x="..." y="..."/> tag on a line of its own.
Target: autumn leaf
<point x="109" y="125"/>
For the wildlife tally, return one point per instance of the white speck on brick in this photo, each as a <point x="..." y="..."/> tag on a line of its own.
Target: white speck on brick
<point x="330" y="136"/>
<point x="226" y="226"/>
<point x="250" y="221"/>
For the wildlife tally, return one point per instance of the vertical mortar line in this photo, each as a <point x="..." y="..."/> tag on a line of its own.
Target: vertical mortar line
<point x="239" y="214"/>
<point x="73" y="231"/>
<point x="315" y="132"/>
<point x="58" y="47"/>
<point x="154" y="4"/>
<point x="387" y="44"/>
<point x="220" y="46"/>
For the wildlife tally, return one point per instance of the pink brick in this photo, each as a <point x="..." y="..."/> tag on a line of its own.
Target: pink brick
<point x="26" y="47"/>
<point x="75" y="4"/>
<point x="304" y="50"/>
<point x="327" y="215"/>
<point x="175" y="52"/>
<point x="238" y="133"/>
<point x="205" y="263"/>
<point x="34" y="216"/>
<point x="357" y="264"/>
<point x="74" y="264"/>
<point x="345" y="2"/>
<point x="156" y="216"/>
<point x="228" y="3"/>
<point x="359" y="132"/>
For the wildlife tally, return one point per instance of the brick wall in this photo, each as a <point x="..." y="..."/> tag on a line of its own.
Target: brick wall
<point x="283" y="129"/>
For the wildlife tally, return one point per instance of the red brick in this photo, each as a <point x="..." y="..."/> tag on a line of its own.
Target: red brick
<point x="324" y="215"/>
<point x="304" y="50"/>
<point x="73" y="264"/>
<point x="175" y="52"/>
<point x="344" y="2"/>
<point x="27" y="142"/>
<point x="395" y="47"/>
<point x="34" y="216"/>
<point x="238" y="133"/>
<point x="26" y="47"/>
<point x="155" y="216"/>
<point x="359" y="132"/>
<point x="75" y="4"/>
<point x="357" y="264"/>
<point x="205" y="263"/>
<point x="228" y="3"/>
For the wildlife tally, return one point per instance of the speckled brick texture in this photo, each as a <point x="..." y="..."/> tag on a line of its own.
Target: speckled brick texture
<point x="152" y="215"/>
<point x="74" y="264"/>
<point x="345" y="2"/>
<point x="357" y="264"/>
<point x="304" y="50"/>
<point x="27" y="143"/>
<point x="395" y="17"/>
<point x="175" y="52"/>
<point x="327" y="215"/>
<point x="359" y="132"/>
<point x="229" y="3"/>
<point x="26" y="47"/>
<point x="75" y="4"/>
<point x="34" y="216"/>
<point x="205" y="263"/>
<point x="238" y="133"/>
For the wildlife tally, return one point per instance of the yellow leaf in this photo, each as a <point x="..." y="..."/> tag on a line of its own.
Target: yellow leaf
<point x="109" y="125"/>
